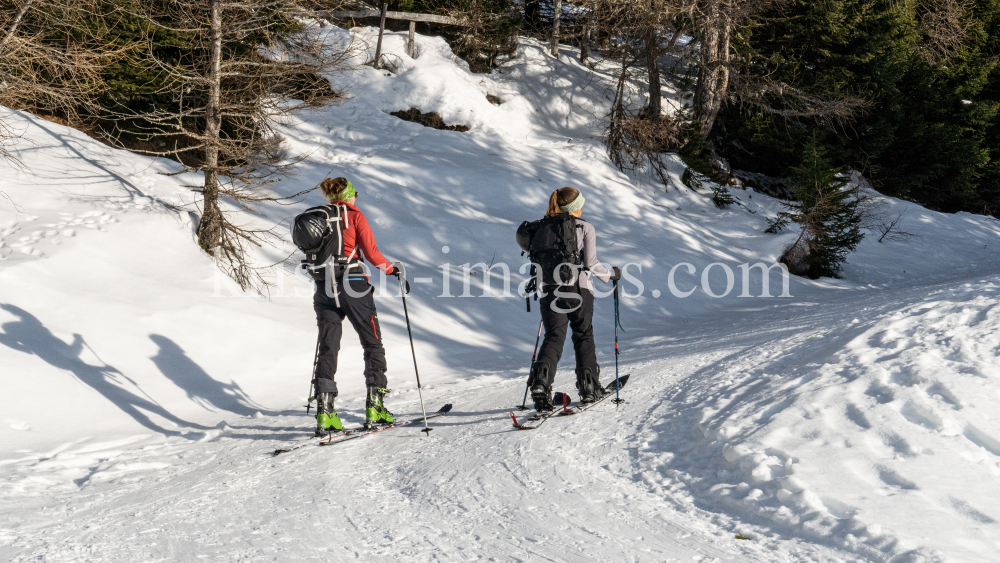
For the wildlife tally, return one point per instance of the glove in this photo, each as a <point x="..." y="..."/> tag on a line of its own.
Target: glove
<point x="616" y="274"/>
<point x="406" y="284"/>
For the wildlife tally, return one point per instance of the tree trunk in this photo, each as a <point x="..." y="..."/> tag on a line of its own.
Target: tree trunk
<point x="585" y="43"/>
<point x="655" y="108"/>
<point x="556" y="13"/>
<point x="381" y="32"/>
<point x="713" y="77"/>
<point x="210" y="226"/>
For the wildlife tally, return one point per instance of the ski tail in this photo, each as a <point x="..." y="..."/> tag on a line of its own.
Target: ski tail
<point x="326" y="438"/>
<point x="516" y="423"/>
<point x="538" y="418"/>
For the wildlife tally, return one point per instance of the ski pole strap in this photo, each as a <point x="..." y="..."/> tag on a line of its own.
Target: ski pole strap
<point x="618" y="321"/>
<point x="529" y="288"/>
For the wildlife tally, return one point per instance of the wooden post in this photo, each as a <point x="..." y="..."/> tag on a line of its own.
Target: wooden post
<point x="381" y="30"/>
<point x="556" y="14"/>
<point x="410" y="38"/>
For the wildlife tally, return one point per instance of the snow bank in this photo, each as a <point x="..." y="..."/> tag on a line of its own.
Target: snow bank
<point x="874" y="433"/>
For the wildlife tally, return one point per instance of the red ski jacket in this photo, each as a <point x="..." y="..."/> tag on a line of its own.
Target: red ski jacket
<point x="357" y="233"/>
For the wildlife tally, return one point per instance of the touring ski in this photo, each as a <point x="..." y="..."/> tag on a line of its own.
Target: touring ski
<point x="561" y="402"/>
<point x="357" y="432"/>
<point x="609" y="390"/>
<point x="361" y="434"/>
<point x="326" y="438"/>
<point x="538" y="418"/>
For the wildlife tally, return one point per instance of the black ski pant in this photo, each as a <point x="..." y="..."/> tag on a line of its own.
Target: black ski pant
<point x="358" y="308"/>
<point x="574" y="307"/>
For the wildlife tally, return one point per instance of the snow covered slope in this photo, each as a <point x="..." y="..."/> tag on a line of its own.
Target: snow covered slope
<point x="142" y="396"/>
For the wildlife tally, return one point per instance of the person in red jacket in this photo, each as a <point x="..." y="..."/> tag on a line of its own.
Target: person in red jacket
<point x="351" y="297"/>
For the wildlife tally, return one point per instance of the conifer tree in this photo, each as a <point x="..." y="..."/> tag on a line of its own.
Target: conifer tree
<point x="923" y="68"/>
<point x="827" y="213"/>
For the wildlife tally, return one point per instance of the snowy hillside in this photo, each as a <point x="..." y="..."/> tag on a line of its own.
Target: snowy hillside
<point x="851" y="421"/>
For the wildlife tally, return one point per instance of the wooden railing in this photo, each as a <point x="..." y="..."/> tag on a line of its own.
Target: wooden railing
<point x="384" y="14"/>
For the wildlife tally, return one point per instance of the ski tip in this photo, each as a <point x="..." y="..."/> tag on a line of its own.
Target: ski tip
<point x="620" y="381"/>
<point x="446" y="408"/>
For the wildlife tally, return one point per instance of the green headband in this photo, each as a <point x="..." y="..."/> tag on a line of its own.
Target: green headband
<point x="575" y="205"/>
<point x="346" y="193"/>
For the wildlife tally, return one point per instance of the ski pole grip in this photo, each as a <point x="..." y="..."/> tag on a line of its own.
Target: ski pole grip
<point x="399" y="268"/>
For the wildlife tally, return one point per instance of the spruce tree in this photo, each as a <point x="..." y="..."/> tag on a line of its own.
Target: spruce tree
<point x="927" y="131"/>
<point x="827" y="213"/>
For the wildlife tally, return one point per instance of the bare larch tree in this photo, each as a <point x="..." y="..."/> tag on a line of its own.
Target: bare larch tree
<point x="246" y="67"/>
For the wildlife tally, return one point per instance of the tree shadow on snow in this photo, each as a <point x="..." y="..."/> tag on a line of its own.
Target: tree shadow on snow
<point x="30" y="336"/>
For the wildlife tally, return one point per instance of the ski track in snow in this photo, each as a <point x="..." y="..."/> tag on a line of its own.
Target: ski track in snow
<point x="850" y="423"/>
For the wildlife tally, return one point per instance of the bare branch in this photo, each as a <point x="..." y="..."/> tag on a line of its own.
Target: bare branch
<point x="242" y="74"/>
<point x="13" y="26"/>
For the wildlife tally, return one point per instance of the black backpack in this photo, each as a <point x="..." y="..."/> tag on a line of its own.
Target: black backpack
<point x="551" y="242"/>
<point x="319" y="233"/>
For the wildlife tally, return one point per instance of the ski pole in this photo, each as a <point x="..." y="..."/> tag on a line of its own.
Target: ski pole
<point x="533" y="354"/>
<point x="312" y="382"/>
<point x="402" y="293"/>
<point x="618" y="399"/>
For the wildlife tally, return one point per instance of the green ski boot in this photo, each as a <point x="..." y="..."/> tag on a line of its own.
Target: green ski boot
<point x="327" y="420"/>
<point x="375" y="411"/>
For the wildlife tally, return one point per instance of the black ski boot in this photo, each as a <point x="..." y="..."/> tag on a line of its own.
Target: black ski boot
<point x="542" y="397"/>
<point x="590" y="387"/>
<point x="541" y="394"/>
